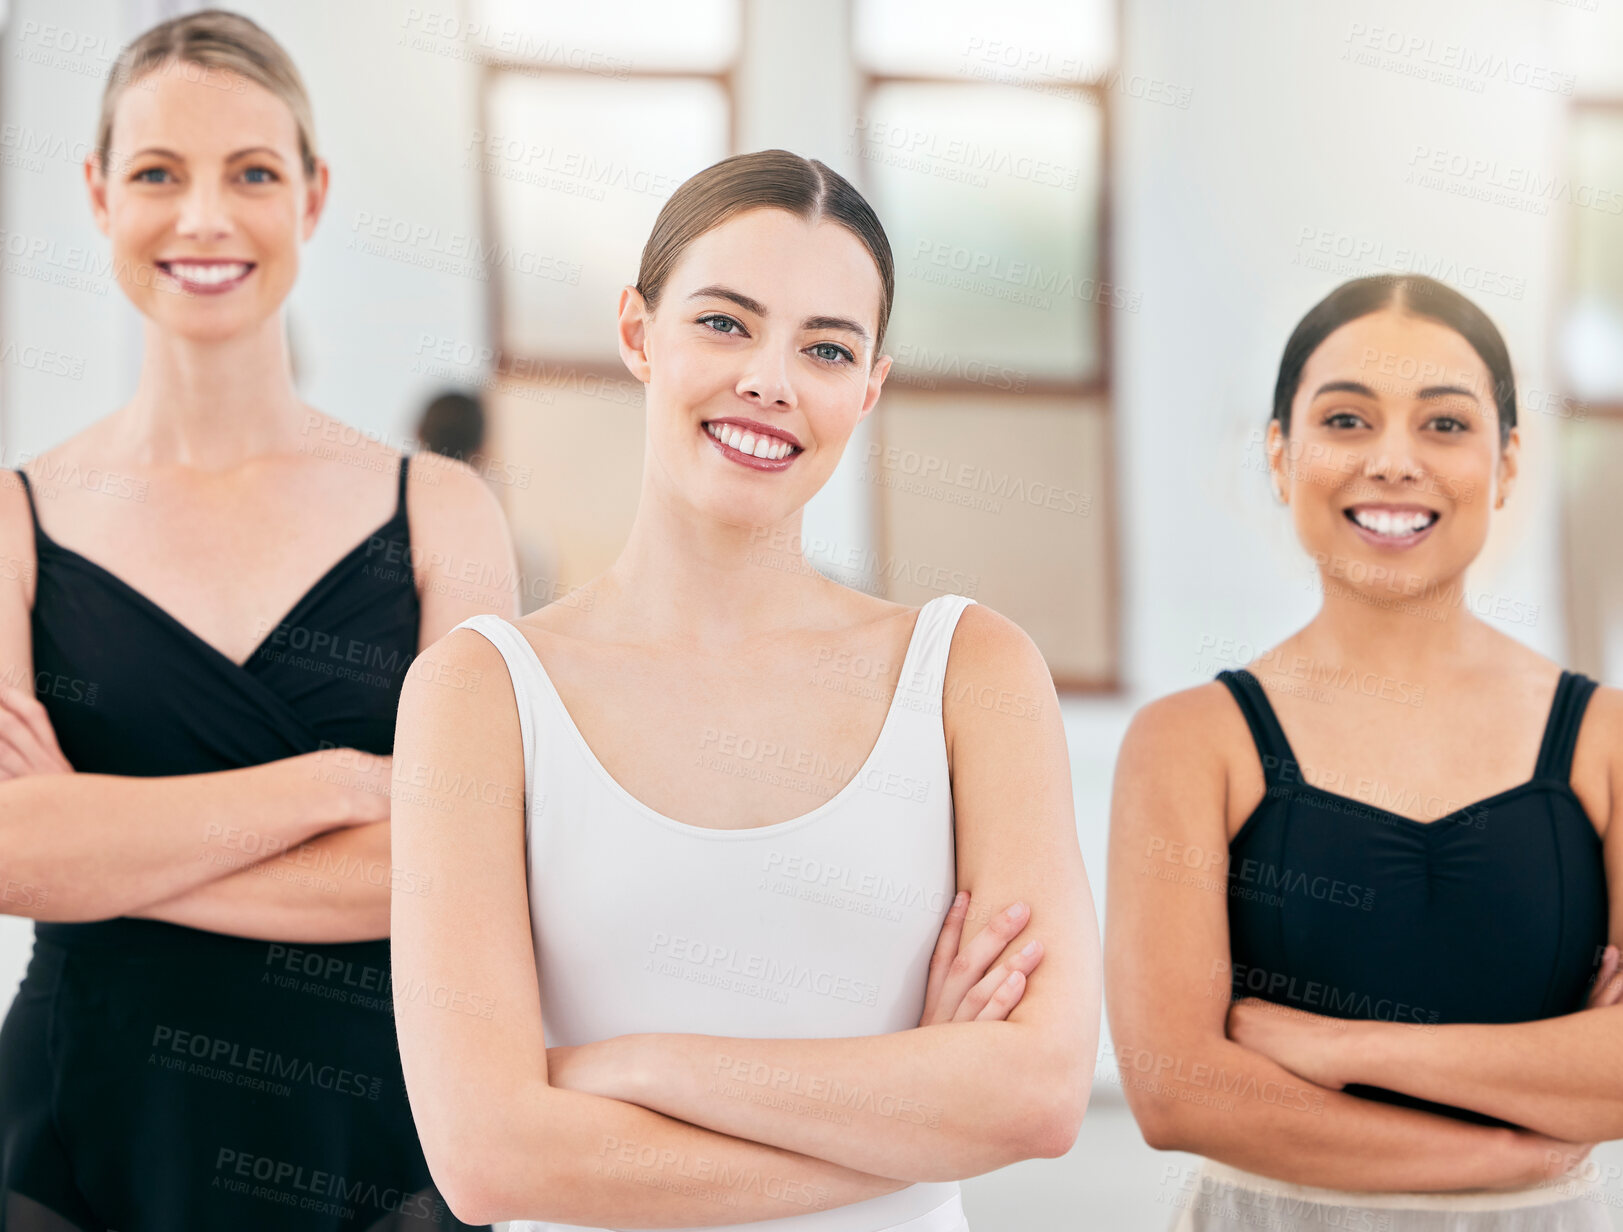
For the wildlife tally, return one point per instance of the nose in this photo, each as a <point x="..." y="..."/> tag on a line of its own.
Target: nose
<point x="1393" y="459"/>
<point x="765" y="380"/>
<point x="203" y="215"/>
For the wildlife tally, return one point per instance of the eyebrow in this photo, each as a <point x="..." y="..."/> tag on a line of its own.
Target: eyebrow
<point x="1358" y="387"/>
<point x="166" y="153"/>
<point x="1444" y="391"/>
<point x="759" y="309"/>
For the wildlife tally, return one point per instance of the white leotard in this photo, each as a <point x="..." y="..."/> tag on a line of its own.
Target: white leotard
<point x="819" y="926"/>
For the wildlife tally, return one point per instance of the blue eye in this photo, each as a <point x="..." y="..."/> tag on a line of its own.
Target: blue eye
<point x="721" y="319"/>
<point x="140" y="176"/>
<point x="266" y="171"/>
<point x="841" y="355"/>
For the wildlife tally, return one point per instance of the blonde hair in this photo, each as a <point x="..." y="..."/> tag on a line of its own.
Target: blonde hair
<point x="211" y="39"/>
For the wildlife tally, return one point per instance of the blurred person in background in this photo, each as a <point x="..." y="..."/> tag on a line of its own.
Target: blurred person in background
<point x="453" y="424"/>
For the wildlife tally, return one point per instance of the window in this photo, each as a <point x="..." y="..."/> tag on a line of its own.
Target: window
<point x="1591" y="354"/>
<point x="983" y="141"/>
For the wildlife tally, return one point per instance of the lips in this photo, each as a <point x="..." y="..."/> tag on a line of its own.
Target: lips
<point x="753" y="444"/>
<point x="213" y="276"/>
<point x="1396" y="526"/>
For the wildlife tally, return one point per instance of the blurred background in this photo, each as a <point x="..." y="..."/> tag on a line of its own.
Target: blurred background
<point x="1106" y="220"/>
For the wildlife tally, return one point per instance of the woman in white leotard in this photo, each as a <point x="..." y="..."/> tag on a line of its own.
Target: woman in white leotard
<point x="692" y="957"/>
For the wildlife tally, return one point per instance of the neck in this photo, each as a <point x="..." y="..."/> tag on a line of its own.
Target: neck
<point x="1391" y="629"/>
<point x="211" y="405"/>
<point x="685" y="576"/>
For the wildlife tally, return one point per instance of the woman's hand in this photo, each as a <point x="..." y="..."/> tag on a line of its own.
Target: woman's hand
<point x="27" y="740"/>
<point x="960" y="988"/>
<point x="362" y="781"/>
<point x="1311" y="1046"/>
<point x="1608" y="989"/>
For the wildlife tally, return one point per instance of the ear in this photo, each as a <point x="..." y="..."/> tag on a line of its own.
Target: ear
<point x="635" y="318"/>
<point x="1509" y="464"/>
<point x="1276" y="462"/>
<point x="96" y="186"/>
<point x="315" y="198"/>
<point x="876" y="381"/>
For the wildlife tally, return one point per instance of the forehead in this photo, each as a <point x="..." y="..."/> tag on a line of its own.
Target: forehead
<point x="791" y="265"/>
<point x="1397" y="354"/>
<point x="196" y="109"/>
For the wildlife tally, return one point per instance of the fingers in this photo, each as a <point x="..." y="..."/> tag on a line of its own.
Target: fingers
<point x="973" y="960"/>
<point x="1005" y="995"/>
<point x="1000" y="990"/>
<point x="946" y="949"/>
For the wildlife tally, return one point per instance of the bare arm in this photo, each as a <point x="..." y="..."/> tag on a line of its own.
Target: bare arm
<point x="332" y="888"/>
<point x="1189" y="1086"/>
<point x="942" y="1101"/>
<point x="500" y="1141"/>
<point x="77" y="847"/>
<point x="337" y="887"/>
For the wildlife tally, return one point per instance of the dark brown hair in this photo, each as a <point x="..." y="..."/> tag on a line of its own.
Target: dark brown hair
<point x="1416" y="295"/>
<point x="774" y="179"/>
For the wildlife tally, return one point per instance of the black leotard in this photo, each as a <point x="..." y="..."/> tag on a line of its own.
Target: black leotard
<point x="153" y="1077"/>
<point x="1494" y="913"/>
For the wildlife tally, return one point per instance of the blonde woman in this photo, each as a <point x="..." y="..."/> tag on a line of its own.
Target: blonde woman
<point x="702" y="833"/>
<point x="1363" y="940"/>
<point x="217" y="594"/>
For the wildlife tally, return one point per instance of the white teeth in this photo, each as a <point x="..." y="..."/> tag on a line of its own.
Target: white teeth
<point x="769" y="448"/>
<point x="207" y="275"/>
<point x="1395" y="525"/>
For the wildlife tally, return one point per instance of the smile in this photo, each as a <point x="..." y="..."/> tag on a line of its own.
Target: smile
<point x="207" y="277"/>
<point x="1391" y="527"/>
<point x="756" y="449"/>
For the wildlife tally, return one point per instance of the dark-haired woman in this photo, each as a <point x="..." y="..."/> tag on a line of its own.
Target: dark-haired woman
<point x="675" y="878"/>
<point x="1363" y="944"/>
<point x="211" y="599"/>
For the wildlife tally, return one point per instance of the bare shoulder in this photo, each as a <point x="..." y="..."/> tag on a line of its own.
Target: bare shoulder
<point x="451" y="678"/>
<point x="1189" y="757"/>
<point x="462" y="549"/>
<point x="1200" y="724"/>
<point x="993" y="667"/>
<point x="17" y="560"/>
<point x="439" y="488"/>
<point x="1597" y="758"/>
